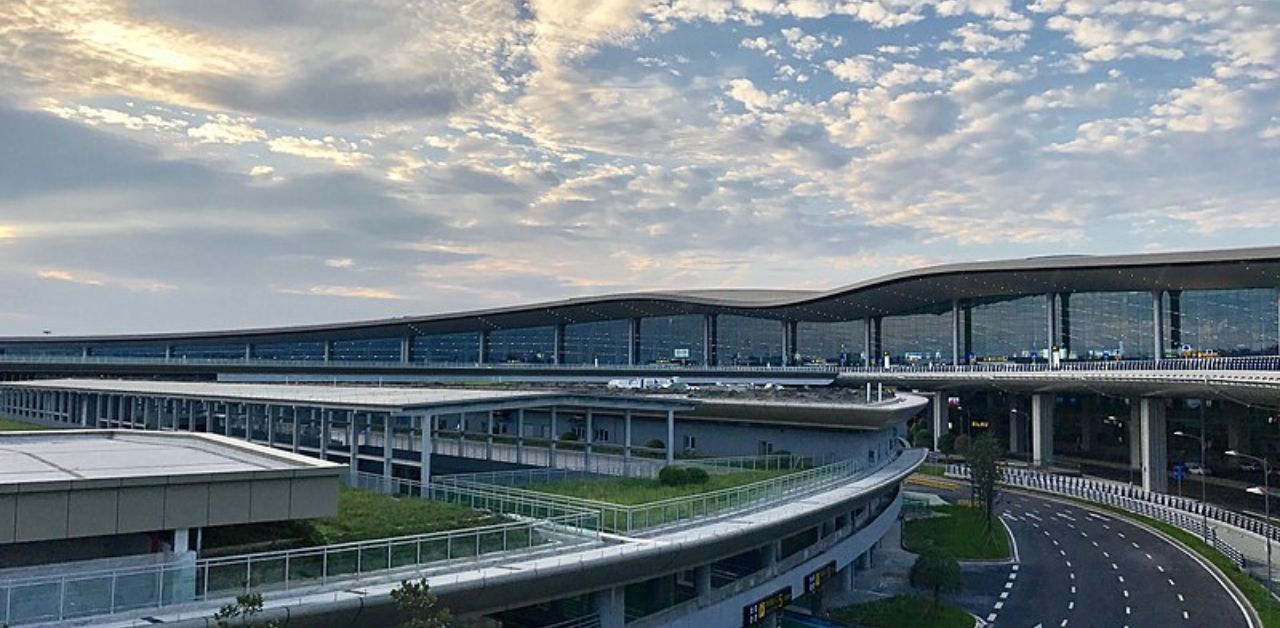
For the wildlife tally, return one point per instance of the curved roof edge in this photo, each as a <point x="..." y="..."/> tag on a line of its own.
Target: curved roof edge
<point x="759" y="300"/>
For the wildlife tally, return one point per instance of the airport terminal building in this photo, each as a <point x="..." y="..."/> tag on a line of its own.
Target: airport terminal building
<point x="1087" y="308"/>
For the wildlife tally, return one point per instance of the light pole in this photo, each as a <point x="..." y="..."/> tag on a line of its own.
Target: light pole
<point x="1266" y="502"/>
<point x="1204" y="503"/>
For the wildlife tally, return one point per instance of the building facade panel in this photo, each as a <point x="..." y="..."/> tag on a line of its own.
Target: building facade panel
<point x="672" y="339"/>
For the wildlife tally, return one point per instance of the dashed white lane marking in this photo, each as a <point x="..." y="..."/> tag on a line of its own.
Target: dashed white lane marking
<point x="1071" y="605"/>
<point x="1115" y="566"/>
<point x="1180" y="598"/>
<point x="1106" y="554"/>
<point x="1121" y="534"/>
<point x="1135" y="545"/>
<point x="1015" y="567"/>
<point x="999" y="605"/>
<point x="1008" y="585"/>
<point x="1068" y="564"/>
<point x="1171" y="583"/>
<point x="1097" y="516"/>
<point x="1063" y="552"/>
<point x="1073" y="575"/>
<point x="1064" y="622"/>
<point x="1160" y="567"/>
<point x="1055" y="542"/>
<point x="991" y="618"/>
<point x="1121" y="579"/>
<point x="1095" y="543"/>
<point x="1013" y="576"/>
<point x="1084" y="534"/>
<point x="1128" y="611"/>
<point x="1004" y="595"/>
<point x="1125" y="592"/>
<point x="1149" y="557"/>
<point x="1073" y="588"/>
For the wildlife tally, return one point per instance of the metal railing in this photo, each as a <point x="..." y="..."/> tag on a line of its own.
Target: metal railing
<point x="633" y="467"/>
<point x="634" y="518"/>
<point x="1166" y="508"/>
<point x="1262" y="363"/>
<point x="94" y="593"/>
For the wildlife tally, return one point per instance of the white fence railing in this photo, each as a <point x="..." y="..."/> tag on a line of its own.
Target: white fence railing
<point x="1166" y="508"/>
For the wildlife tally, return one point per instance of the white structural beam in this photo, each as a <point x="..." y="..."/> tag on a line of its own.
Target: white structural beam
<point x="939" y="417"/>
<point x="1135" y="435"/>
<point x="1154" y="439"/>
<point x="671" y="436"/>
<point x="1042" y="428"/>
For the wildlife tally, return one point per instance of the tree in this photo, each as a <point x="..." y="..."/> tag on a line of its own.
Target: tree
<point x="922" y="438"/>
<point x="419" y="606"/>
<point x="984" y="468"/>
<point x="245" y="608"/>
<point x="947" y="444"/>
<point x="962" y="444"/>
<point x="937" y="572"/>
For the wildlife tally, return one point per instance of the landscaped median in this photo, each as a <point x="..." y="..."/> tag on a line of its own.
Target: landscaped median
<point x="901" y="611"/>
<point x="11" y="425"/>
<point x="958" y="531"/>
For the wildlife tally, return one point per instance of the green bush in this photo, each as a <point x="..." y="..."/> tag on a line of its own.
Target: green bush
<point x="922" y="438"/>
<point x="947" y="443"/>
<point x="962" y="444"/>
<point x="569" y="436"/>
<point x="656" y="443"/>
<point x="672" y="475"/>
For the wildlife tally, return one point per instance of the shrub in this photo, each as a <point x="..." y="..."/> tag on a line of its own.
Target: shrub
<point x="656" y="443"/>
<point x="947" y="443"/>
<point x="962" y="444"/>
<point x="922" y="438"/>
<point x="672" y="475"/>
<point x="570" y="436"/>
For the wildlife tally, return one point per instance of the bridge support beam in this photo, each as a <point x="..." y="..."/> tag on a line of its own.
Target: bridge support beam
<point x="1154" y="440"/>
<point x="611" y="606"/>
<point x="1042" y="428"/>
<point x="1135" y="435"/>
<point x="939" y="403"/>
<point x="1017" y="428"/>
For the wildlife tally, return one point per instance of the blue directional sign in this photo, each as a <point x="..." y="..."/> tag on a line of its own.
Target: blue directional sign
<point x="1179" y="472"/>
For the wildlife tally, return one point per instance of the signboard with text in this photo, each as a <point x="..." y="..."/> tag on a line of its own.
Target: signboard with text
<point x="820" y="577"/>
<point x="755" y="612"/>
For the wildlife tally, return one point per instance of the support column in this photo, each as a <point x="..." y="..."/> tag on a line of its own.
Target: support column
<point x="1051" y="306"/>
<point x="633" y="341"/>
<point x="1042" y="428"/>
<point x="488" y="438"/>
<point x="939" y="418"/>
<point x="702" y="580"/>
<point x="1157" y="315"/>
<point x="325" y="416"/>
<point x="558" y="352"/>
<point x="353" y="449"/>
<point x="869" y="351"/>
<point x="955" y="333"/>
<point x="790" y="343"/>
<point x="388" y="451"/>
<point x="671" y="436"/>
<point x="520" y="436"/>
<point x="555" y="437"/>
<point x="1017" y="428"/>
<point x="1237" y="435"/>
<point x="611" y="607"/>
<point x="297" y="429"/>
<point x="424" y="460"/>
<point x="626" y="434"/>
<point x="710" y="335"/>
<point x="272" y="412"/>
<point x="1089" y="418"/>
<point x="1135" y="435"/>
<point x="1154" y="441"/>
<point x="483" y="353"/>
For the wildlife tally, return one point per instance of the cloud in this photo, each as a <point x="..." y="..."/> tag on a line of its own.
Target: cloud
<point x="337" y="150"/>
<point x="224" y="129"/>
<point x="99" y="280"/>
<point x="350" y="292"/>
<point x="340" y="262"/>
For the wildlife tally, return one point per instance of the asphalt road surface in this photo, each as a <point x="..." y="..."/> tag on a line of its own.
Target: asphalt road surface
<point x="1083" y="568"/>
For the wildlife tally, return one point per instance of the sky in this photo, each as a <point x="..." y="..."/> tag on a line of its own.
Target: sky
<point x="183" y="165"/>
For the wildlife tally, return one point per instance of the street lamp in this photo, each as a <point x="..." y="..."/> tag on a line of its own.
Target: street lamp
<point x="1204" y="503"/>
<point x="1266" y="501"/>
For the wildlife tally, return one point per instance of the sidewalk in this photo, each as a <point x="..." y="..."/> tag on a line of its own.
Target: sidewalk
<point x="886" y="577"/>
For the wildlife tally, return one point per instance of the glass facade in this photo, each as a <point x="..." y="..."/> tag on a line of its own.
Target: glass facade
<point x="442" y="348"/>
<point x="748" y="341"/>
<point x="672" y="339"/>
<point x="292" y="351"/>
<point x="528" y="345"/>
<point x="1211" y="323"/>
<point x="129" y="351"/>
<point x="1015" y="330"/>
<point x="841" y="343"/>
<point x="923" y="338"/>
<point x="1107" y="325"/>
<point x="371" y="350"/>
<point x="221" y="351"/>
<point x="602" y="342"/>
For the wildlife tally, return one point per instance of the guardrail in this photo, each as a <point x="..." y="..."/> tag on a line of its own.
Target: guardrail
<point x="631" y="519"/>
<point x="633" y="468"/>
<point x="1145" y="503"/>
<point x="1261" y="363"/>
<point x="72" y="595"/>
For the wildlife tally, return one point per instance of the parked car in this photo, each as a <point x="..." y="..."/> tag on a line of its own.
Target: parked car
<point x="1194" y="468"/>
<point x="1250" y="465"/>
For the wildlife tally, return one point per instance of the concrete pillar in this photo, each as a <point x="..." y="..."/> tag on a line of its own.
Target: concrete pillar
<point x="353" y="460"/>
<point x="488" y="438"/>
<point x="710" y="338"/>
<point x="590" y="439"/>
<point x="483" y="352"/>
<point x="626" y="434"/>
<point x="1017" y="428"/>
<point x="84" y="410"/>
<point x="325" y="416"/>
<point x="520" y="436"/>
<point x="1154" y="439"/>
<point x="406" y="349"/>
<point x="671" y="436"/>
<point x="388" y="451"/>
<point x="1157" y="315"/>
<point x="611" y="607"/>
<point x="769" y="555"/>
<point x="633" y="341"/>
<point x="558" y="353"/>
<point x="1237" y="435"/>
<point x="939" y="417"/>
<point x="1042" y="428"/>
<point x="956" y="350"/>
<point x="1051" y="305"/>
<point x="424" y="456"/>
<point x="702" y="580"/>
<point x="555" y="437"/>
<point x="870" y="352"/>
<point x="1135" y="435"/>
<point x="272" y="414"/>
<point x="297" y="430"/>
<point x="1088" y="420"/>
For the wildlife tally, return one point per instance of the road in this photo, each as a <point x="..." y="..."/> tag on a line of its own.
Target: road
<point x="1078" y="567"/>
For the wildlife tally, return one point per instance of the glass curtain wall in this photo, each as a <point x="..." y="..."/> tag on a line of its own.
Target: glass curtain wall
<point x="1107" y="325"/>
<point x="132" y="351"/>
<point x="313" y="350"/>
<point x="1208" y="323"/>
<point x="461" y="347"/>
<point x="922" y="338"/>
<point x="222" y="351"/>
<point x="527" y="345"/>
<point x="601" y="342"/>
<point x="371" y="350"/>
<point x="748" y="341"/>
<point x="841" y="343"/>
<point x="1014" y="330"/>
<point x="671" y="339"/>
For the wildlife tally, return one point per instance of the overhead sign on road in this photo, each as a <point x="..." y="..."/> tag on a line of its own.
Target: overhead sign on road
<point x="1179" y="472"/>
<point x="755" y="612"/>
<point x="820" y="577"/>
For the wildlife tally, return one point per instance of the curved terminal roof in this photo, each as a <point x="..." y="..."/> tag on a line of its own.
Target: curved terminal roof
<point x="908" y="291"/>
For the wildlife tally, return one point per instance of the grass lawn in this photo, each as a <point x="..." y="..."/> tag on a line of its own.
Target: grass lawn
<point x="929" y="468"/>
<point x="631" y="491"/>
<point x="362" y="515"/>
<point x="904" y="610"/>
<point x="10" y="425"/>
<point x="959" y="533"/>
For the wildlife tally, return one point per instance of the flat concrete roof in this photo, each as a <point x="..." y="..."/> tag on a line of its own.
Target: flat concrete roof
<point x="381" y="398"/>
<point x="71" y="455"/>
